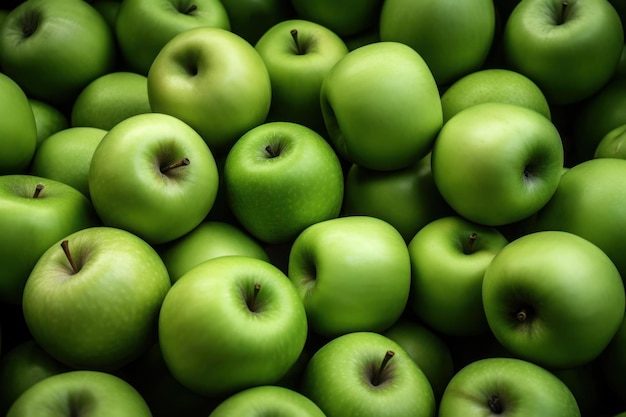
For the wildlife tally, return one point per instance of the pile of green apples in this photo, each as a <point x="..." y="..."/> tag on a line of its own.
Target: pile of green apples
<point x="329" y="208"/>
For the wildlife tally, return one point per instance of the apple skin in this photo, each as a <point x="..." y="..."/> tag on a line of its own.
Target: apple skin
<point x="18" y="129"/>
<point x="533" y="291"/>
<point x="344" y="17"/>
<point x="569" y="49"/>
<point x="362" y="256"/>
<point x="376" y="127"/>
<point x="281" y="177"/>
<point x="220" y="101"/>
<point x="612" y="144"/>
<point x="266" y="400"/>
<point x="157" y="205"/>
<point x="80" y="392"/>
<point x="454" y="38"/>
<point x="497" y="163"/>
<point x="42" y="40"/>
<point x="250" y="19"/>
<point x="340" y="379"/>
<point x="518" y="388"/>
<point x="48" y="119"/>
<point x="297" y="69"/>
<point x="219" y="336"/>
<point x="143" y="27"/>
<point x="104" y="315"/>
<point x="447" y="267"/>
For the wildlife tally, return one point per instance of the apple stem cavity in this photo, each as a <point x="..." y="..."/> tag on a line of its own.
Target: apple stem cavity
<point x="494" y="404"/>
<point x="561" y="18"/>
<point x="255" y="294"/>
<point x="294" y="35"/>
<point x="191" y="9"/>
<point x="38" y="189"/>
<point x="30" y="23"/>
<point x="522" y="315"/>
<point x="378" y="376"/>
<point x="66" y="249"/>
<point x="181" y="163"/>
<point x="272" y="151"/>
<point x="470" y="243"/>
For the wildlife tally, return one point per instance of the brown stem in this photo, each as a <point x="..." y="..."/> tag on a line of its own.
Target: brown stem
<point x="66" y="249"/>
<point x="181" y="163"/>
<point x="561" y="18"/>
<point x="378" y="376"/>
<point x="191" y="9"/>
<point x="294" y="35"/>
<point x="38" y="189"/>
<point x="255" y="293"/>
<point x="521" y="315"/>
<point x="470" y="242"/>
<point x="494" y="404"/>
<point x="272" y="151"/>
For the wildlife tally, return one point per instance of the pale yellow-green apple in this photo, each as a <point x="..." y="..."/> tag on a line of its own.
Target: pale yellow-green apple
<point x="298" y="54"/>
<point x="570" y="49"/>
<point x="143" y="27"/>
<point x="453" y="37"/>
<point x="18" y="128"/>
<point x="381" y="106"/>
<point x="497" y="163"/>
<point x="250" y="19"/>
<point x="54" y="48"/>
<point x="344" y="17"/>
<point x="281" y="177"/>
<point x="153" y="175"/>
<point x="352" y="273"/>
<point x="109" y="99"/>
<point x="213" y="80"/>
<point x="532" y="294"/>
<point x="49" y="119"/>
<point x="612" y="144"/>
<point x="66" y="155"/>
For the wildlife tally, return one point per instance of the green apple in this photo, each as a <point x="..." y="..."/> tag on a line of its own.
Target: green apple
<point x="108" y="9"/>
<point x="570" y="49"/>
<point x="281" y="177"/>
<point x="49" y="119"/>
<point x="589" y="202"/>
<point x="533" y="291"/>
<point x="587" y="385"/>
<point x="231" y="323"/>
<point x="18" y="128"/>
<point x="267" y="400"/>
<point x="54" y="48"/>
<point x="416" y="199"/>
<point x="153" y="175"/>
<point x="367" y="374"/>
<point x="497" y="163"/>
<point x="381" y="106"/>
<point x="143" y="27"/>
<point x="23" y="366"/>
<point x="250" y="19"/>
<point x="298" y="54"/>
<point x="65" y="156"/>
<point x="493" y="85"/>
<point x="453" y="37"/>
<point x="344" y="17"/>
<point x="448" y="259"/>
<point x="361" y="39"/>
<point x="210" y="239"/>
<point x="352" y="273"/>
<point x="612" y="144"/>
<point x="35" y="212"/>
<point x="109" y="99"/>
<point x="213" y="80"/>
<point x="92" y="299"/>
<point x="80" y="393"/>
<point x="508" y="387"/>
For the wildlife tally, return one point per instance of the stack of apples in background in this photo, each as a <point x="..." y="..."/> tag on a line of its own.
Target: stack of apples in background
<point x="179" y="177"/>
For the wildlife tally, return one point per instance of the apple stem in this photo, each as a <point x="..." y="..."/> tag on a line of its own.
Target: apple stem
<point x="272" y="151"/>
<point x="66" y="249"/>
<point x="522" y="315"/>
<point x="562" y="15"/>
<point x="495" y="405"/>
<point x="470" y="242"/>
<point x="38" y="189"/>
<point x="294" y="35"/>
<point x="379" y="375"/>
<point x="191" y="9"/>
<point x="177" y="164"/>
<point x="255" y="293"/>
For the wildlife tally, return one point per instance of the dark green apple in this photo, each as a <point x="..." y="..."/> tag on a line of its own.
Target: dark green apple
<point x="250" y="19"/>
<point x="612" y="144"/>
<point x="49" y="119"/>
<point x="344" y="17"/>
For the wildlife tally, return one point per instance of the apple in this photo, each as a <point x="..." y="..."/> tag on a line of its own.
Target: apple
<point x="35" y="212"/>
<point x="92" y="299"/>
<point x="569" y="49"/>
<point x="507" y="386"/>
<point x="210" y="239"/>
<point x="367" y="374"/>
<point x="448" y="259"/>
<point x="48" y="119"/>
<point x="498" y="85"/>
<point x="231" y="323"/>
<point x="109" y="99"/>
<point x="18" y="128"/>
<point x="352" y="273"/>
<point x="298" y="54"/>
<point x="416" y="199"/>
<point x="281" y="177"/>
<point x="453" y="37"/>
<point x="612" y="144"/>
<point x="497" y="163"/>
<point x="344" y="17"/>
<point x="65" y="156"/>
<point x="80" y="392"/>
<point x="108" y="9"/>
<point x="250" y="19"/>
<point x="143" y="27"/>
<point x="533" y="291"/>
<point x="267" y="400"/>
<point x="381" y="106"/>
<point x="213" y="80"/>
<point x="587" y="385"/>
<point x="54" y="48"/>
<point x="154" y="176"/>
